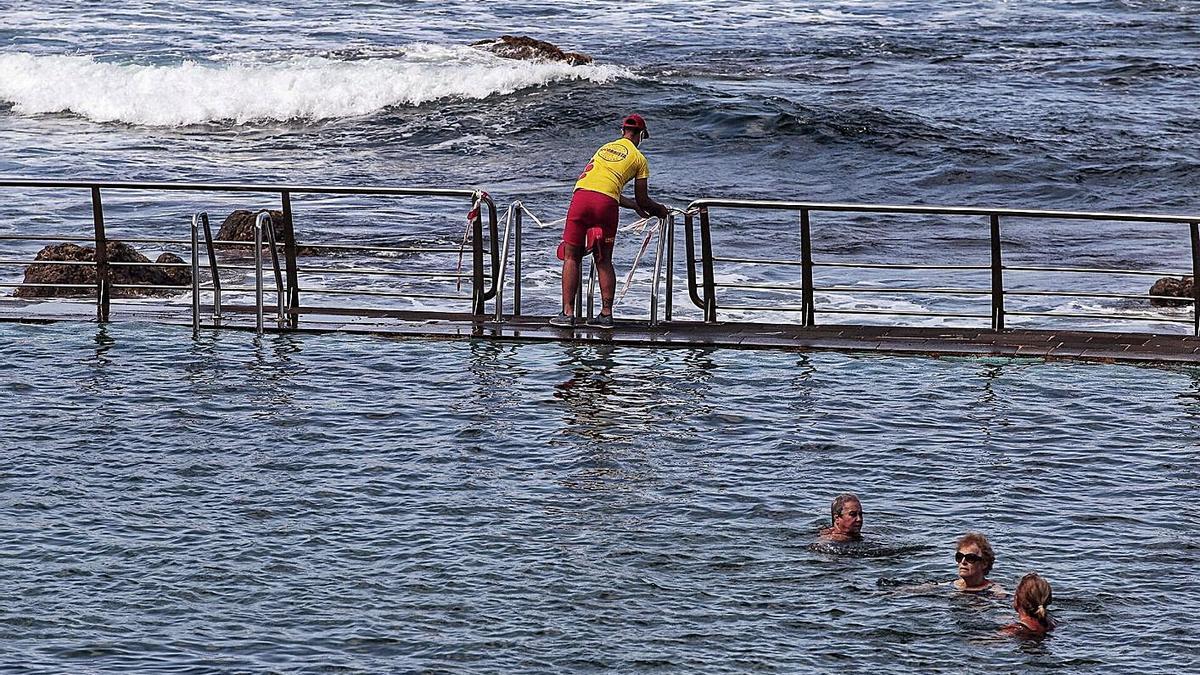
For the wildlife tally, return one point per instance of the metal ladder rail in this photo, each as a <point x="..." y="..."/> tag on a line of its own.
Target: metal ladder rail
<point x="512" y="226"/>
<point x="200" y="220"/>
<point x="666" y="229"/>
<point x="665" y="226"/>
<point x="264" y="216"/>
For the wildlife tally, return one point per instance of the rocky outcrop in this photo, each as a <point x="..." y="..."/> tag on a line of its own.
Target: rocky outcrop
<point x="86" y="274"/>
<point x="239" y="226"/>
<point x="529" y="49"/>
<point x="1181" y="288"/>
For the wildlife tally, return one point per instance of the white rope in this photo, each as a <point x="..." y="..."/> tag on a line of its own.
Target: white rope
<point x="471" y="216"/>
<point x="540" y="224"/>
<point x="640" y="226"/>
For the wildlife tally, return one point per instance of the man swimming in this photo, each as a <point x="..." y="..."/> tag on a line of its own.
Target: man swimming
<point x="593" y="216"/>
<point x="846" y="514"/>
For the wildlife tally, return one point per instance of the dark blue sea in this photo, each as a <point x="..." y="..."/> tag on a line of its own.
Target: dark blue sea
<point x="172" y="503"/>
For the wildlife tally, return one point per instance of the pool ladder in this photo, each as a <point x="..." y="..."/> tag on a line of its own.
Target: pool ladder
<point x="262" y="222"/>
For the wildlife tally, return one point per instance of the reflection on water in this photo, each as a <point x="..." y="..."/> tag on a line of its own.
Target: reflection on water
<point x="275" y="369"/>
<point x="868" y="548"/>
<point x="593" y="404"/>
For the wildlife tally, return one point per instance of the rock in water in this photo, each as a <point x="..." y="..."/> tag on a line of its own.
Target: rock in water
<point x="86" y="274"/>
<point x="239" y="226"/>
<point x="528" y="49"/>
<point x="1181" y="288"/>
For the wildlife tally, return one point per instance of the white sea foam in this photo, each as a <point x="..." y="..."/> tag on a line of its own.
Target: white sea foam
<point x="253" y="88"/>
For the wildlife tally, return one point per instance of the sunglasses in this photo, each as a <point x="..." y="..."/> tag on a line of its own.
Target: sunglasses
<point x="972" y="558"/>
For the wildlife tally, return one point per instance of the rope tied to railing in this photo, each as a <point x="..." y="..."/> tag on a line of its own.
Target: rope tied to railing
<point x="476" y="205"/>
<point x="640" y="226"/>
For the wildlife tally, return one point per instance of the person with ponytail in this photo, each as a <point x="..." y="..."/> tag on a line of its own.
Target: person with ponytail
<point x="1031" y="599"/>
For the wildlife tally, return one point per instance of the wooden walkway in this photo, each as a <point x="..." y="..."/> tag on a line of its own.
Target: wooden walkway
<point x="1108" y="347"/>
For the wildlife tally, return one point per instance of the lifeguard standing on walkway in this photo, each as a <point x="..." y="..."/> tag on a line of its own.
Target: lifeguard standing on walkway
<point x="593" y="216"/>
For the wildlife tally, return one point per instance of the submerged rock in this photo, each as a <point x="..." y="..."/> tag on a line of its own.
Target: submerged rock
<point x="1181" y="288"/>
<point x="239" y="226"/>
<point x="86" y="274"/>
<point x="528" y="49"/>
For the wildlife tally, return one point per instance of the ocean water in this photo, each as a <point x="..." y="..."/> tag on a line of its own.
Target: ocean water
<point x="1048" y="105"/>
<point x="336" y="503"/>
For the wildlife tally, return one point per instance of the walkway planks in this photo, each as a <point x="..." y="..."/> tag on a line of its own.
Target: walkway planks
<point x="1108" y="347"/>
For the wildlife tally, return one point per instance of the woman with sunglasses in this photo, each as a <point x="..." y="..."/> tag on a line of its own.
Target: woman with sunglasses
<point x="975" y="557"/>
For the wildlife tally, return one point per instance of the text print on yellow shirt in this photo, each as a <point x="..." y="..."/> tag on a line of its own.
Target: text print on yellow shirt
<point x="613" y="165"/>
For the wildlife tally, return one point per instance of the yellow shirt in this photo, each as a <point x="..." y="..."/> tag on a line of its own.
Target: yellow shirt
<point x="613" y="165"/>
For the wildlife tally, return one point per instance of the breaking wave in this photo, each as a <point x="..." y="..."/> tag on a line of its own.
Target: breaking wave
<point x="303" y="88"/>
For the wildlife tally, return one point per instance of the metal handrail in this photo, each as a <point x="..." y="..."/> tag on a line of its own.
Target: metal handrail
<point x="83" y="263"/>
<point x="939" y="210"/>
<point x="37" y="285"/>
<point x="663" y="262"/>
<point x="239" y="187"/>
<point x="385" y="294"/>
<point x="264" y="216"/>
<point x="512" y="225"/>
<point x="702" y="288"/>
<point x="381" y="272"/>
<point x="664" y="226"/>
<point x="484" y="284"/>
<point x="367" y="247"/>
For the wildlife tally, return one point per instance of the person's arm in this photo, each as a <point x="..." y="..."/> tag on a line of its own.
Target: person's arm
<point x="628" y="203"/>
<point x="641" y="191"/>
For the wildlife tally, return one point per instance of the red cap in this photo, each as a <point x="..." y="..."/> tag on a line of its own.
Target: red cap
<point x="636" y="123"/>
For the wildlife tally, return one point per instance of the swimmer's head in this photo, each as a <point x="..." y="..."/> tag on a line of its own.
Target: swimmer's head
<point x="846" y="514"/>
<point x="1033" y="596"/>
<point x="972" y="545"/>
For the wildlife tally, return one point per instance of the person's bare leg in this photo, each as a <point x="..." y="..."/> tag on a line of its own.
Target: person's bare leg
<point x="606" y="274"/>
<point x="570" y="277"/>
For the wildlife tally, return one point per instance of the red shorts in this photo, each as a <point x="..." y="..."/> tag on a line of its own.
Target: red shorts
<point x="593" y="217"/>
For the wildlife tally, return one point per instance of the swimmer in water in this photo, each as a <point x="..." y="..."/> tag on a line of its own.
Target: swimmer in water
<point x="975" y="558"/>
<point x="847" y="516"/>
<point x="1032" y="597"/>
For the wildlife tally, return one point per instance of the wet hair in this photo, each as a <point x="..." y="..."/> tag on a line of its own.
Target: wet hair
<point x="1033" y="596"/>
<point x="835" y="509"/>
<point x="985" y="549"/>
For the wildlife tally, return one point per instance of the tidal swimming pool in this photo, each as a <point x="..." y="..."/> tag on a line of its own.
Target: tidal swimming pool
<point x="333" y="503"/>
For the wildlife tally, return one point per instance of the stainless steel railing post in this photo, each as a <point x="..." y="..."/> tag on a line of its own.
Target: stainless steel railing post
<point x="517" y="263"/>
<point x="1195" y="228"/>
<point x="670" y="267"/>
<point x="478" y="292"/>
<point x="280" y="293"/>
<point x="103" y="282"/>
<point x="706" y="258"/>
<point x="997" y="276"/>
<point x="663" y="224"/>
<point x="258" y="271"/>
<point x="514" y="208"/>
<point x="577" y="303"/>
<point x="591" y="291"/>
<point x="196" y="273"/>
<point x="808" y="297"/>
<point x="213" y="268"/>
<point x="290" y="252"/>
